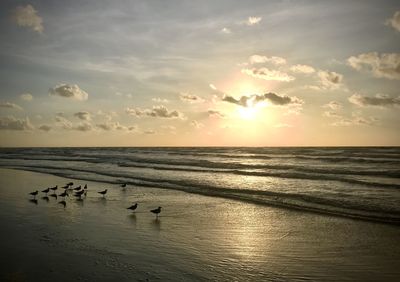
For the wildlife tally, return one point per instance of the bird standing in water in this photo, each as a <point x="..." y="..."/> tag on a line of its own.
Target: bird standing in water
<point x="133" y="207"/>
<point x="103" y="192"/>
<point x="156" y="211"/>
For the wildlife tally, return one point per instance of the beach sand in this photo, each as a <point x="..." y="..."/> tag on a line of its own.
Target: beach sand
<point x="195" y="238"/>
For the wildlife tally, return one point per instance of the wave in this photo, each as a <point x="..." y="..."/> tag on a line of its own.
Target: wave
<point x="284" y="200"/>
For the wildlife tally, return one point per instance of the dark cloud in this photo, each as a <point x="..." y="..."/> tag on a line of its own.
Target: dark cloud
<point x="380" y="100"/>
<point x="215" y="113"/>
<point x="82" y="115"/>
<point x="275" y="99"/>
<point x="45" y="127"/>
<point x="69" y="91"/>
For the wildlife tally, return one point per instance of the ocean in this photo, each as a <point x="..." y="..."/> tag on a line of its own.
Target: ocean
<point x="355" y="182"/>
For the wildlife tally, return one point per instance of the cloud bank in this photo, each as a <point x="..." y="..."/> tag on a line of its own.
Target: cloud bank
<point x="12" y="123"/>
<point x="380" y="100"/>
<point x="156" y="112"/>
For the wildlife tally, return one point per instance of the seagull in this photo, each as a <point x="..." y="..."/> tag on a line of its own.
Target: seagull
<point x="103" y="192"/>
<point x="34" y="193"/>
<point x="156" y="211"/>
<point x="46" y="190"/>
<point x="133" y="207"/>
<point x="63" y="203"/>
<point x="77" y="188"/>
<point x="63" y="194"/>
<point x="54" y="188"/>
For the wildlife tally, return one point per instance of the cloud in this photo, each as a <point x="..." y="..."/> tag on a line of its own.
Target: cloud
<point x="196" y="124"/>
<point x="156" y="111"/>
<point x="26" y="97"/>
<point x="257" y="59"/>
<point x="264" y="73"/>
<point x="189" y="98"/>
<point x="302" y="69"/>
<point x="354" y="120"/>
<point x="12" y="123"/>
<point x="62" y="121"/>
<point x="45" y="127"/>
<point x="82" y="115"/>
<point x="226" y="30"/>
<point x="111" y="126"/>
<point x="252" y="100"/>
<point x="333" y="105"/>
<point x="27" y="16"/>
<point x="84" y="126"/>
<point x="331" y="114"/>
<point x="330" y="79"/>
<point x="253" y="20"/>
<point x="9" y="105"/>
<point x="394" y="21"/>
<point x="212" y="86"/>
<point x="386" y="65"/>
<point x="380" y="100"/>
<point x="215" y="113"/>
<point x="149" y="132"/>
<point x="69" y="91"/>
<point x="282" y="125"/>
<point x="160" y="100"/>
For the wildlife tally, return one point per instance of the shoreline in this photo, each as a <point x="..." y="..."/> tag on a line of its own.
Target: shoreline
<point x="232" y="196"/>
<point x="196" y="238"/>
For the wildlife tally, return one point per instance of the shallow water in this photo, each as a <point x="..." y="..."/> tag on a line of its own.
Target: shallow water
<point x="196" y="238"/>
<point x="352" y="182"/>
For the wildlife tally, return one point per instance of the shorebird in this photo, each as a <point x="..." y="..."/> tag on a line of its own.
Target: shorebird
<point x="46" y="190"/>
<point x="85" y="187"/>
<point x="103" y="192"/>
<point x="63" y="203"/>
<point x="63" y="194"/>
<point x="54" y="195"/>
<point x="79" y="194"/>
<point x="77" y="188"/>
<point x="123" y="185"/>
<point x="70" y="183"/>
<point x="156" y="211"/>
<point x="54" y="188"/>
<point x="34" y="193"/>
<point x="65" y="187"/>
<point x="133" y="207"/>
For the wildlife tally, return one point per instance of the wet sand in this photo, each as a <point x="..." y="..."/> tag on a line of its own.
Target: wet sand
<point x="195" y="238"/>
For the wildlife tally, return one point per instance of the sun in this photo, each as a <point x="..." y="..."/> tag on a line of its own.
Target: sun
<point x="247" y="113"/>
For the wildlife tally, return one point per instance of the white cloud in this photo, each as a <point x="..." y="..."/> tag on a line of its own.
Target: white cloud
<point x="9" y="105"/>
<point x="302" y="69"/>
<point x="160" y="100"/>
<point x="83" y="115"/>
<point x="258" y="59"/>
<point x="264" y="73"/>
<point x="380" y="65"/>
<point x="69" y="91"/>
<point x="330" y="79"/>
<point x="156" y="111"/>
<point x="212" y="86"/>
<point x="226" y="30"/>
<point x="380" y="100"/>
<point x="45" y="127"/>
<point x="149" y="132"/>
<point x="12" y="123"/>
<point x="26" y="97"/>
<point x="62" y="121"/>
<point x="394" y="21"/>
<point x="196" y="124"/>
<point x="84" y="126"/>
<point x="333" y="105"/>
<point x="215" y="113"/>
<point x="190" y="98"/>
<point x="27" y="16"/>
<point x="253" y="20"/>
<point x="111" y="126"/>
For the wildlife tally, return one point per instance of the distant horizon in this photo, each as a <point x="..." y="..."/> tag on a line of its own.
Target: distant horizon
<point x="205" y="73"/>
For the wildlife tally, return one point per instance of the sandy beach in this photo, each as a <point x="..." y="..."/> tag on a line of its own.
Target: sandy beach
<point x="195" y="238"/>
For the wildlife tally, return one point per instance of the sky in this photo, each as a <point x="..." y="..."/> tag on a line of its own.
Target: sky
<point x="199" y="73"/>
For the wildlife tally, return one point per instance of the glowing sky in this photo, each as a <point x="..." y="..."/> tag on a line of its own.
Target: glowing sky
<point x="199" y="73"/>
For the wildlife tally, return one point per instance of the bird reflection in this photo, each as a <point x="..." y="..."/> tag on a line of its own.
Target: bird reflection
<point x="54" y="196"/>
<point x="34" y="201"/>
<point x="46" y="198"/>
<point x="132" y="219"/>
<point x="63" y="203"/>
<point x="156" y="224"/>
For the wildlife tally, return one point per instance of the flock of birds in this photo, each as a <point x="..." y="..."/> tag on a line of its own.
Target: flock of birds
<point x="78" y="192"/>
